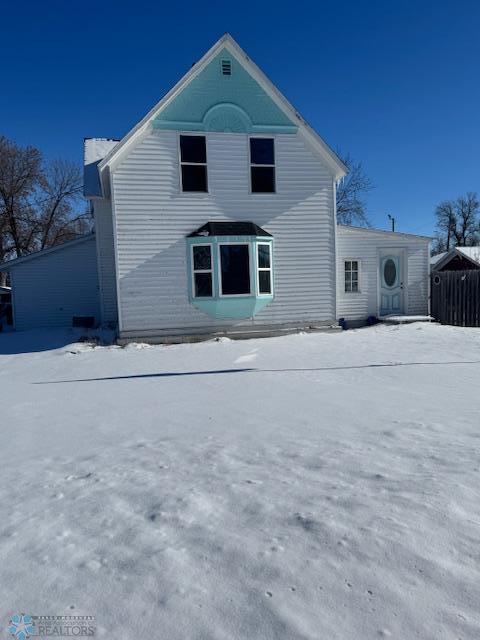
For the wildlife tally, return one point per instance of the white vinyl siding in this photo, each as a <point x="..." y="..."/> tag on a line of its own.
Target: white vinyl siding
<point x="106" y="260"/>
<point x="366" y="244"/>
<point x="50" y="289"/>
<point x="153" y="217"/>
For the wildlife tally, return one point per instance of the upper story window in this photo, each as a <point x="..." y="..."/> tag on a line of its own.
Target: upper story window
<point x="262" y="165"/>
<point x="193" y="163"/>
<point x="352" y="272"/>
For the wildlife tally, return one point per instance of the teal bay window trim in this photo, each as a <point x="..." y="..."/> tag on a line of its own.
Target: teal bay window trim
<point x="224" y="306"/>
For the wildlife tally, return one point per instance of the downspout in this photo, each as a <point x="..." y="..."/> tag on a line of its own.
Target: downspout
<point x="335" y="227"/>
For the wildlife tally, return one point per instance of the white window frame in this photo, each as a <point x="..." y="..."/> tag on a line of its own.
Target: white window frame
<point x="194" y="271"/>
<point x="359" y="267"/>
<point x="219" y="264"/>
<point x="251" y="164"/>
<point x="194" y="134"/>
<point x="259" y="268"/>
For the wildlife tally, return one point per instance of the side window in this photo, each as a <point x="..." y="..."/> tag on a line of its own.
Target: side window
<point x="351" y="276"/>
<point x="264" y="267"/>
<point x="262" y="165"/>
<point x="202" y="271"/>
<point x="193" y="163"/>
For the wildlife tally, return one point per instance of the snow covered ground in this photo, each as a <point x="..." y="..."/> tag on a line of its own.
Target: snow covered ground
<point x="321" y="486"/>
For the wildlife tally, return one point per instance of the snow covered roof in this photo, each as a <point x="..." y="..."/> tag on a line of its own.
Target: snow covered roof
<point x="435" y="259"/>
<point x="470" y="253"/>
<point x="94" y="150"/>
<point x="473" y="253"/>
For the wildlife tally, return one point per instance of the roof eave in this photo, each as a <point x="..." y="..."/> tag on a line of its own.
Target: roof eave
<point x="384" y="231"/>
<point x="6" y="266"/>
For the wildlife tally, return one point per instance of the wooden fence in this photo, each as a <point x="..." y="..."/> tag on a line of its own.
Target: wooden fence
<point x="455" y="297"/>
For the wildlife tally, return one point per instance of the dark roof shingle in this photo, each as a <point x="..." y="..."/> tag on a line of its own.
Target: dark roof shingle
<point x="229" y="229"/>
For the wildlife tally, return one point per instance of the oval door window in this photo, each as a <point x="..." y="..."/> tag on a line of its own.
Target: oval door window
<point x="390" y="272"/>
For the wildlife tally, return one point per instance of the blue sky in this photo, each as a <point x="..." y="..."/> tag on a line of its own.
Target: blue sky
<point x="394" y="83"/>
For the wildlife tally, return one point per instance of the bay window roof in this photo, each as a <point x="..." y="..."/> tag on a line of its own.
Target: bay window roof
<point x="229" y="229"/>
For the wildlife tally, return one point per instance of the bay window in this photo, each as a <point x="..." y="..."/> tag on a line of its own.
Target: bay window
<point x="231" y="269"/>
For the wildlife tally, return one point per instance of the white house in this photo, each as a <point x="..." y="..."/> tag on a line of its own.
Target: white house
<point x="216" y="213"/>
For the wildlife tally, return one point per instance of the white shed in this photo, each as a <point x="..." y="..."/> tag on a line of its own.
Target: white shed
<point x="53" y="286"/>
<point x="381" y="273"/>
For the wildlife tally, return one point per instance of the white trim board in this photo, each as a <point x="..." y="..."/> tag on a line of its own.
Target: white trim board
<point x="392" y="234"/>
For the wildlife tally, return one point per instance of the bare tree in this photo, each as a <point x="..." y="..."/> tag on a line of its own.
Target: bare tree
<point x="20" y="173"/>
<point x="59" y="194"/>
<point x="351" y="193"/>
<point x="40" y="204"/>
<point x="457" y="223"/>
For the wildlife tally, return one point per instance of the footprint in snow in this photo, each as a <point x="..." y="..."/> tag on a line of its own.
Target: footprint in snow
<point x="306" y="522"/>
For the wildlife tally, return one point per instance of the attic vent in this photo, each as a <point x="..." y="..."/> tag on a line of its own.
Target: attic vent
<point x="226" y="66"/>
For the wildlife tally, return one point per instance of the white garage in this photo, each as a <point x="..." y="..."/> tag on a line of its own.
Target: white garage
<point x="53" y="287"/>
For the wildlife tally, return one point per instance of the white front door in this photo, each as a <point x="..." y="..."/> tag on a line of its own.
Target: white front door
<point x="391" y="282"/>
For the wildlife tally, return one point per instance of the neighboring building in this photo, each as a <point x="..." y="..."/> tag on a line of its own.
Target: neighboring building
<point x="54" y="286"/>
<point x="457" y="259"/>
<point x="216" y="213"/>
<point x="6" y="317"/>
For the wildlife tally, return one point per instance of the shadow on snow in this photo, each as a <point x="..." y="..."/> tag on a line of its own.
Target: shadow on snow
<point x="176" y="374"/>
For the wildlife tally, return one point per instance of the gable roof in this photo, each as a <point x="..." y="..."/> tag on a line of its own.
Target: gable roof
<point x="6" y="266"/>
<point x="333" y="162"/>
<point x="435" y="259"/>
<point x="470" y="253"/>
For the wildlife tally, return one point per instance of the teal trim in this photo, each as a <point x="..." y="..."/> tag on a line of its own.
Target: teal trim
<point x="224" y="103"/>
<point x="238" y="308"/>
<point x="224" y="307"/>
